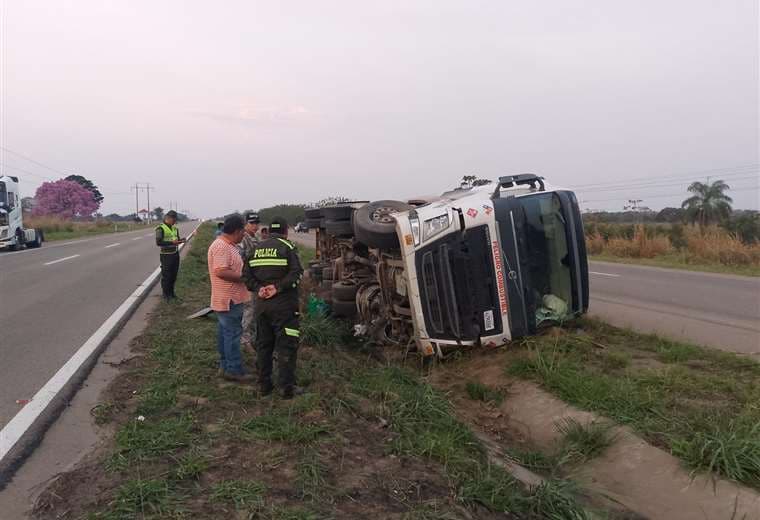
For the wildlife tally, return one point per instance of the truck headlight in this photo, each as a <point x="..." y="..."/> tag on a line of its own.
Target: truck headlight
<point x="434" y="226"/>
<point x="414" y="223"/>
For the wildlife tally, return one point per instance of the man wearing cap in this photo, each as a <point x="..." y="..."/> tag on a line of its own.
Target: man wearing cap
<point x="167" y="239"/>
<point x="246" y="246"/>
<point x="273" y="273"/>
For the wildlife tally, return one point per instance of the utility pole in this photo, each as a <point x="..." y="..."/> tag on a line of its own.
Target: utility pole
<point x="150" y="211"/>
<point x="136" y="187"/>
<point x="142" y="187"/>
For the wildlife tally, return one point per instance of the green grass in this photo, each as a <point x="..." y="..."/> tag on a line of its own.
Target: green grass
<point x="322" y="331"/>
<point x="582" y="442"/>
<point x="306" y="255"/>
<point x="152" y="498"/>
<point x="140" y="440"/>
<point x="675" y="261"/>
<point x="426" y="427"/>
<point x="244" y="494"/>
<point x="699" y="403"/>
<point x="311" y="481"/>
<point x="176" y="457"/>
<point x="282" y="428"/>
<point x="478" y="391"/>
<point x="77" y="230"/>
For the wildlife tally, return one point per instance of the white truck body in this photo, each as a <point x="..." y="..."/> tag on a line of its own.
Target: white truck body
<point x="13" y="234"/>
<point x="476" y="266"/>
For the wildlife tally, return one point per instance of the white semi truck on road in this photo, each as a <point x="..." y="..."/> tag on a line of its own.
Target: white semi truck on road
<point x="13" y="234"/>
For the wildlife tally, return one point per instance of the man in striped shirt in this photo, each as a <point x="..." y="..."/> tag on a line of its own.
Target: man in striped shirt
<point x="229" y="296"/>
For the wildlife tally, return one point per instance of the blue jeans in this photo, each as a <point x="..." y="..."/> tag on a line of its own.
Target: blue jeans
<point x="228" y="339"/>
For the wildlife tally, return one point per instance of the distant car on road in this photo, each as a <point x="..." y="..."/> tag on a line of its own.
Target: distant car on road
<point x="301" y="228"/>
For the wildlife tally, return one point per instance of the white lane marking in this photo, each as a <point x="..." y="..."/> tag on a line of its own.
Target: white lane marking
<point x="29" y="414"/>
<point x="113" y="245"/>
<point x="62" y="259"/>
<point x="137" y="238"/>
<point x="606" y="274"/>
<point x="148" y="235"/>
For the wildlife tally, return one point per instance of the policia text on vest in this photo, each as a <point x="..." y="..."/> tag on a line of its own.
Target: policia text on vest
<point x="167" y="239"/>
<point x="273" y="273"/>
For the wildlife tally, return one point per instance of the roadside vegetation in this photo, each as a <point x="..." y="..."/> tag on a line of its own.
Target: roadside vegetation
<point x="702" y="405"/>
<point x="55" y="228"/>
<point x="704" y="234"/>
<point x="370" y="439"/>
<point x="712" y="249"/>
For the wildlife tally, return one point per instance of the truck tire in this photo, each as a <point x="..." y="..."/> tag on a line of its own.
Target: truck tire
<point x="327" y="273"/>
<point x="344" y="291"/>
<point x="19" y="240"/>
<point x="336" y="213"/>
<point x="313" y="223"/>
<point x="339" y="228"/>
<point x="315" y="213"/>
<point x="313" y="218"/>
<point x="375" y="226"/>
<point x="315" y="273"/>
<point x="343" y="309"/>
<point x="37" y="242"/>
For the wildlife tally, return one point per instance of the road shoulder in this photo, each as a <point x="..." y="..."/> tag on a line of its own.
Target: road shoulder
<point x="74" y="435"/>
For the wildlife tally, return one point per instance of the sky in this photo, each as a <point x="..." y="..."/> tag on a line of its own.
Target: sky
<point x="224" y="106"/>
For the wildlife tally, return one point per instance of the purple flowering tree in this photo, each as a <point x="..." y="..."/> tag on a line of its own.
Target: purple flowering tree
<point x="64" y="199"/>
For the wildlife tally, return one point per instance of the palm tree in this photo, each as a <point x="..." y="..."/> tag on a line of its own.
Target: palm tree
<point x="708" y="204"/>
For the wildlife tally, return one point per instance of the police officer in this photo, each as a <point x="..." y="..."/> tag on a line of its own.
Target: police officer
<point x="273" y="273"/>
<point x="246" y="246"/>
<point x="167" y="238"/>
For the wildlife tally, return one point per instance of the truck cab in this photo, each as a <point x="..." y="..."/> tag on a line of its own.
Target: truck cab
<point x="474" y="266"/>
<point x="13" y="235"/>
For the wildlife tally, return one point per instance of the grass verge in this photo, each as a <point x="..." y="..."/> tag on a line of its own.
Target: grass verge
<point x="701" y="404"/>
<point x="59" y="229"/>
<point x="676" y="261"/>
<point x="368" y="440"/>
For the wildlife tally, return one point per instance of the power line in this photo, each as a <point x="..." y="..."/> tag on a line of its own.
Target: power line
<point x="747" y="188"/>
<point x="59" y="172"/>
<point x="653" y="185"/>
<point x="25" y="171"/>
<point x="725" y="172"/>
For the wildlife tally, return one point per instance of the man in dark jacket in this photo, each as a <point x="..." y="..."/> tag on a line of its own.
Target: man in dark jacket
<point x="167" y="238"/>
<point x="273" y="273"/>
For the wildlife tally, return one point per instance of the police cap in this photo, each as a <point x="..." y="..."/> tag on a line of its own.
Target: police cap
<point x="278" y="225"/>
<point x="252" y="217"/>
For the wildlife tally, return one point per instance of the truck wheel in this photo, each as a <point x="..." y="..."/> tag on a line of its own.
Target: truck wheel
<point x="342" y="212"/>
<point x="343" y="309"/>
<point x="339" y="228"/>
<point x="327" y="273"/>
<point x="375" y="226"/>
<point x="313" y="218"/>
<point x="344" y="291"/>
<point x="19" y="240"/>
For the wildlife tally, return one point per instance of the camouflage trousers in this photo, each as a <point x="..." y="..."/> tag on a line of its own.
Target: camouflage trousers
<point x="249" y="326"/>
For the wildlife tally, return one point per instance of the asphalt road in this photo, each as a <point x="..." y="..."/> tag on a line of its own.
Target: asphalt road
<point x="55" y="297"/>
<point x="717" y="310"/>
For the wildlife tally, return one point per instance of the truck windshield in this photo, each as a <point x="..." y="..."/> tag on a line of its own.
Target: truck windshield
<point x="548" y="256"/>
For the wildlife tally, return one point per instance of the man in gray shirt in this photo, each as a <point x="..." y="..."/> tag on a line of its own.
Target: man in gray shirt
<point x="246" y="246"/>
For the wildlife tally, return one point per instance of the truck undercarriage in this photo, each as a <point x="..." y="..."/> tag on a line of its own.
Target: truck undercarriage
<point x="472" y="267"/>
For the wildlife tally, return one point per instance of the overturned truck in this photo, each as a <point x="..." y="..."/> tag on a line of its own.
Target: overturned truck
<point x="474" y="266"/>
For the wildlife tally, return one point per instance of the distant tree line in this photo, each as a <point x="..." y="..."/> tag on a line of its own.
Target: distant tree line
<point x="707" y="205"/>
